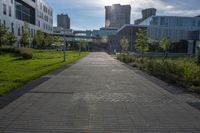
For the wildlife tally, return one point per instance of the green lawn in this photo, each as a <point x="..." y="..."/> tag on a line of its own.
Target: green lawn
<point x="15" y="72"/>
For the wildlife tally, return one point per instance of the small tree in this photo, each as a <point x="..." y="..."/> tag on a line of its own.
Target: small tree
<point x="142" y="41"/>
<point x="25" y="35"/>
<point x="3" y="32"/>
<point x="198" y="55"/>
<point x="40" y="38"/>
<point x="81" y="45"/>
<point x="124" y="44"/>
<point x="165" y="45"/>
<point x="10" y="39"/>
<point x="49" y="40"/>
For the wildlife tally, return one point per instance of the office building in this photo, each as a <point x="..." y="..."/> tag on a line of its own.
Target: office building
<point x="37" y="13"/>
<point x="63" y="21"/>
<point x="117" y="15"/>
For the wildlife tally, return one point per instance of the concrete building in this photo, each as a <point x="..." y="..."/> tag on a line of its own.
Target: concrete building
<point x="63" y="21"/>
<point x="37" y="13"/>
<point x="147" y="14"/>
<point x="117" y="15"/>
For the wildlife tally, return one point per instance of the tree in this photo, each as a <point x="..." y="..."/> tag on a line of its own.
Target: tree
<point x="124" y="44"/>
<point x="3" y="32"/>
<point x="10" y="38"/>
<point x="198" y="55"/>
<point x="57" y="40"/>
<point x="142" y="41"/>
<point x="165" y="44"/>
<point x="49" y="40"/>
<point x="40" y="38"/>
<point x="25" y="35"/>
<point x="81" y="45"/>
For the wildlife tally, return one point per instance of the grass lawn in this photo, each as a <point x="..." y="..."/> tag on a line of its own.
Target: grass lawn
<point x="15" y="72"/>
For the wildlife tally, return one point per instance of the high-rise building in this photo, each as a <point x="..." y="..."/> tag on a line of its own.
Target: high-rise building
<point x="147" y="14"/>
<point x="117" y="15"/>
<point x="37" y="13"/>
<point x="63" y="21"/>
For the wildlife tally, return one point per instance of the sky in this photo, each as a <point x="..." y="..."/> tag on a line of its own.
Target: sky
<point x="90" y="14"/>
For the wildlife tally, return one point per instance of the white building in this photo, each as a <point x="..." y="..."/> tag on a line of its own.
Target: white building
<point x="37" y="13"/>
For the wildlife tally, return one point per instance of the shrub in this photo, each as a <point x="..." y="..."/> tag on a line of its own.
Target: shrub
<point x="182" y="71"/>
<point x="26" y="53"/>
<point x="198" y="56"/>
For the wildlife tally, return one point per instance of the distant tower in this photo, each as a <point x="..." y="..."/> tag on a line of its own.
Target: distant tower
<point x="148" y="12"/>
<point x="117" y="15"/>
<point x="63" y="21"/>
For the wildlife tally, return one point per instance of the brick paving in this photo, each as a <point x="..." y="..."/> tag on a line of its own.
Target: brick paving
<point x="101" y="95"/>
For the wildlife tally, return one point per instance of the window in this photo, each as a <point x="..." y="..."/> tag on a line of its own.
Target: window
<point x="19" y="34"/>
<point x="10" y="10"/>
<point x="4" y="9"/>
<point x="198" y="23"/>
<point x="11" y="1"/>
<point x="4" y="23"/>
<point x="22" y="29"/>
<point x="12" y="27"/>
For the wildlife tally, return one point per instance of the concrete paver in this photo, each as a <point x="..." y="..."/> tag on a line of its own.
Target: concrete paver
<point x="99" y="94"/>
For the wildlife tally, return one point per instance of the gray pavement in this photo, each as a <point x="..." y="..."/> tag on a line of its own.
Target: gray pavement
<point x="100" y="95"/>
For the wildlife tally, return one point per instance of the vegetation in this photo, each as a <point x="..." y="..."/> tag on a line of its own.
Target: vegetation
<point x="180" y="70"/>
<point x="6" y="37"/>
<point x="142" y="42"/>
<point x="165" y="44"/>
<point x="124" y="44"/>
<point x="83" y="45"/>
<point x="26" y="53"/>
<point x="14" y="71"/>
<point x="39" y="38"/>
<point x="25" y="39"/>
<point x="198" y="55"/>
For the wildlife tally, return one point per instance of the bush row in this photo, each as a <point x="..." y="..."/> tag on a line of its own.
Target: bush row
<point x="182" y="71"/>
<point x="25" y="53"/>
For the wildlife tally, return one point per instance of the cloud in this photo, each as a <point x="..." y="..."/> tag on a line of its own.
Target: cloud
<point x="91" y="13"/>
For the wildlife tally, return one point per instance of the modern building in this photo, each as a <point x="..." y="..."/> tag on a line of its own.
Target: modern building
<point x="183" y="31"/>
<point x="37" y="13"/>
<point x="60" y="31"/>
<point x="128" y="31"/>
<point x="63" y="21"/>
<point x="117" y="15"/>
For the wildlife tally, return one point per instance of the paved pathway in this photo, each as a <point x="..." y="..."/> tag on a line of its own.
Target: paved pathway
<point x="100" y="94"/>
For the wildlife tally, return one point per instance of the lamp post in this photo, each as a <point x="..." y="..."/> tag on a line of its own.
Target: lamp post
<point x="65" y="52"/>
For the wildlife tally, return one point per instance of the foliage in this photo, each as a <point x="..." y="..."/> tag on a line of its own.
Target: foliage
<point x="49" y="40"/>
<point x="182" y="71"/>
<point x="14" y="72"/>
<point x="26" y="53"/>
<point x="25" y="36"/>
<point x="40" y="38"/>
<point x="165" y="44"/>
<point x="198" y="56"/>
<point x="57" y="40"/>
<point x="124" y="44"/>
<point x="10" y="39"/>
<point x="142" y="41"/>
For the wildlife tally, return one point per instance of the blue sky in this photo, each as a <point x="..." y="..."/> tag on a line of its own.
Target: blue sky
<point x="90" y="14"/>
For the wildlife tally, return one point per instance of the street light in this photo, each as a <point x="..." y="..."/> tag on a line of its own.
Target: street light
<point x="64" y="37"/>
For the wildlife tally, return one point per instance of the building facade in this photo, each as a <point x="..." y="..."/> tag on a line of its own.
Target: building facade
<point x="63" y="21"/>
<point x="182" y="31"/>
<point x="117" y="15"/>
<point x="37" y="13"/>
